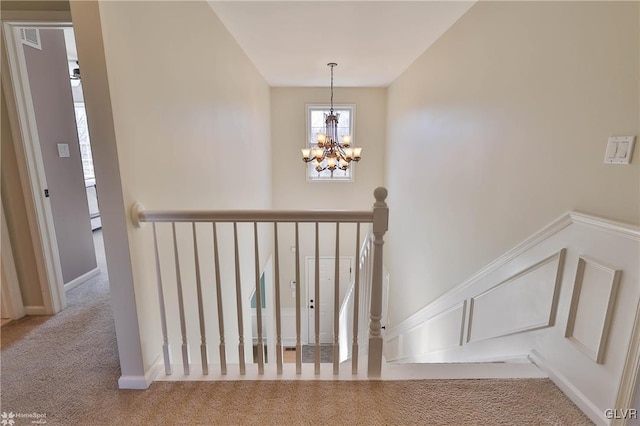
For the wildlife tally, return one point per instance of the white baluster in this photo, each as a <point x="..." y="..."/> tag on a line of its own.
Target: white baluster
<point x="298" y="325"/>
<point x="258" y="300"/>
<point x="183" y="324"/>
<point x="336" y="304"/>
<point x="278" y="311"/>
<point x="367" y="290"/>
<point x="380" y="226"/>
<point x="239" y="301"/>
<point x="163" y="315"/>
<point x="356" y="303"/>
<point x="316" y="349"/>
<point x="203" y="336"/>
<point x="223" y="355"/>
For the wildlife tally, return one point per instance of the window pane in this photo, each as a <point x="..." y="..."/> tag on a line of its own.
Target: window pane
<point x="85" y="145"/>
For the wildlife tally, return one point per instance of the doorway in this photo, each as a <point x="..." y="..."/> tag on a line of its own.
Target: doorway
<point x="325" y="309"/>
<point x="46" y="82"/>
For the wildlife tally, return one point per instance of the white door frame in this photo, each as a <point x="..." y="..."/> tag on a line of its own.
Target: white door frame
<point x="30" y="165"/>
<point x="305" y="322"/>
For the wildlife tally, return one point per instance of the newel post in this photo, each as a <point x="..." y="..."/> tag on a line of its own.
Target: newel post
<point x="380" y="226"/>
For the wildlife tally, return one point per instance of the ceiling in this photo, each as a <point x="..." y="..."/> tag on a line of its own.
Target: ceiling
<point x="373" y="42"/>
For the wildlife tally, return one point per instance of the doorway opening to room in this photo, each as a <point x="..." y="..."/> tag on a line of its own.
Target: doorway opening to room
<point x="57" y="158"/>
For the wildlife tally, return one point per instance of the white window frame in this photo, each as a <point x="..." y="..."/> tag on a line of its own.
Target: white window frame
<point x="311" y="141"/>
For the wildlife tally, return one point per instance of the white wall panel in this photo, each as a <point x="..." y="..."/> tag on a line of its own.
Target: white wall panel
<point x="592" y="304"/>
<point x="525" y="301"/>
<point x="445" y="330"/>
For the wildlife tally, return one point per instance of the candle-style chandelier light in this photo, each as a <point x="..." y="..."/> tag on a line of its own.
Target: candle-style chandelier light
<point x="330" y="154"/>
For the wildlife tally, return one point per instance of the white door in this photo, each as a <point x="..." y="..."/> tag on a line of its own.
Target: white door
<point x="325" y="307"/>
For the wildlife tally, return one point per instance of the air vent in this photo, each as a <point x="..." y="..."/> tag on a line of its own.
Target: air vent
<point x="31" y="37"/>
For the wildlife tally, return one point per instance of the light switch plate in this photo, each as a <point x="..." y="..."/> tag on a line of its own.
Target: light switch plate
<point x="63" y="150"/>
<point x="619" y="150"/>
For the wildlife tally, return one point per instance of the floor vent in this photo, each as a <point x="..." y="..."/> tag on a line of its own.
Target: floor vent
<point x="31" y="37"/>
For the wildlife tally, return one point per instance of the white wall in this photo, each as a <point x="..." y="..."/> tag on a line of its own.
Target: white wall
<point x="191" y="118"/>
<point x="293" y="191"/>
<point x="500" y="127"/>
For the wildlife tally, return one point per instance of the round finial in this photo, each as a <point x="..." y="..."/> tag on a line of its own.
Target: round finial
<point x="380" y="194"/>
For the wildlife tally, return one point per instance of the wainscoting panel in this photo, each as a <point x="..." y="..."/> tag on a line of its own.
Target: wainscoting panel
<point x="392" y="348"/>
<point x="592" y="304"/>
<point x="524" y="302"/>
<point x="445" y="330"/>
<point x="411" y="342"/>
<point x="568" y="298"/>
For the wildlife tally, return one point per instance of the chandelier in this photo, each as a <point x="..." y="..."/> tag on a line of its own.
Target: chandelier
<point x="330" y="154"/>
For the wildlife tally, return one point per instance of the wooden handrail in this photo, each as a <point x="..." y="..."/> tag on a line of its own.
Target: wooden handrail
<point x="139" y="215"/>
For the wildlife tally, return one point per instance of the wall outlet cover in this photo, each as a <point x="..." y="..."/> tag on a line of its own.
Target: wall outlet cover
<point x="619" y="150"/>
<point x="63" y="150"/>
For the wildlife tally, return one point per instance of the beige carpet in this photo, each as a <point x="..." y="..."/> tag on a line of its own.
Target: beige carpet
<point x="67" y="368"/>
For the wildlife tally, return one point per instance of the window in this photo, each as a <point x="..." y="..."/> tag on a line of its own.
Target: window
<point x="85" y="145"/>
<point x="315" y="124"/>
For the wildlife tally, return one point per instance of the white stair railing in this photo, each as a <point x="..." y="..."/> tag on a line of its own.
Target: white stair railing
<point x="369" y="270"/>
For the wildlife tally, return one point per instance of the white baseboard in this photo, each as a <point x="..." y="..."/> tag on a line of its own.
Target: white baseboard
<point x="82" y="278"/>
<point x="36" y="310"/>
<point x="578" y="398"/>
<point x="141" y="382"/>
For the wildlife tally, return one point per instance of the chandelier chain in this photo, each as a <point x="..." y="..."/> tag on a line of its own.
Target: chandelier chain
<point x="332" y="88"/>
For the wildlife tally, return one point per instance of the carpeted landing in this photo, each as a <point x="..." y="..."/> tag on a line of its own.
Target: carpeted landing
<point x="66" y="367"/>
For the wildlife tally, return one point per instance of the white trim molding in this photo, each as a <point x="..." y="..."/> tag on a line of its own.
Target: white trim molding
<point x="141" y="382"/>
<point x="580" y="399"/>
<point x="613" y="277"/>
<point x="544" y="319"/>
<point x="81" y="279"/>
<point x="36" y="310"/>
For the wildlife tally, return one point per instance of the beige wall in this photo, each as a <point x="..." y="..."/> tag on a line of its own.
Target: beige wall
<point x="291" y="189"/>
<point x="191" y="116"/>
<point x="500" y="127"/>
<point x="48" y="75"/>
<point x="288" y="118"/>
<point x="16" y="215"/>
